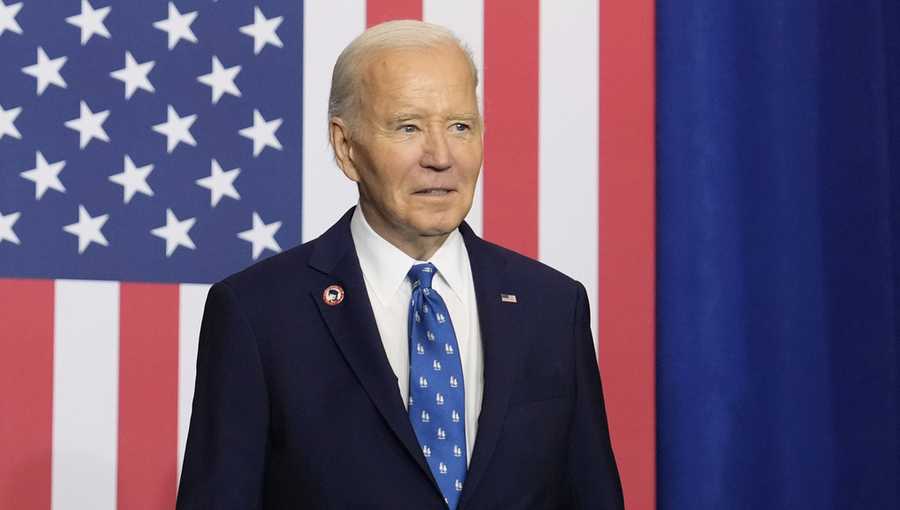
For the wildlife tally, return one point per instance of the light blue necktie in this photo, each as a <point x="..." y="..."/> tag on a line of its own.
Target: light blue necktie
<point x="436" y="392"/>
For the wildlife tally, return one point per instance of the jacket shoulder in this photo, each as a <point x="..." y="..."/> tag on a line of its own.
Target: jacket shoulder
<point x="273" y="275"/>
<point x="532" y="273"/>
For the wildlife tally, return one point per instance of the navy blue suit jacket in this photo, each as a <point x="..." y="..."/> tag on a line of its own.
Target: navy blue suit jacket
<point x="296" y="405"/>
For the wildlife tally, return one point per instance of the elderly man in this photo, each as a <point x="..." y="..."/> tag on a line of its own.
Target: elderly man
<point x="399" y="361"/>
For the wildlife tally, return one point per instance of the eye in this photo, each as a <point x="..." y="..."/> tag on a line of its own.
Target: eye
<point x="461" y="126"/>
<point x="408" y="128"/>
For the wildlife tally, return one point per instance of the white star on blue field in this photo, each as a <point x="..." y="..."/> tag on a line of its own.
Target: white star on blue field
<point x="148" y="141"/>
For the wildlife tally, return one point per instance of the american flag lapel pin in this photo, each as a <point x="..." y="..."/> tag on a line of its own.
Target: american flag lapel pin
<point x="508" y="298"/>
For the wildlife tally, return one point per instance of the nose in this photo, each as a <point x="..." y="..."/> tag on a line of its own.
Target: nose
<point x="436" y="152"/>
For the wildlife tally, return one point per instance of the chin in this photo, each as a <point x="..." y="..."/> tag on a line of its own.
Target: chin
<point x="437" y="227"/>
<point x="439" y="219"/>
<point x="436" y="230"/>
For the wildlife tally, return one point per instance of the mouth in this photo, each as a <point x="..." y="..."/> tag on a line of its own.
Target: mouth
<point x="434" y="192"/>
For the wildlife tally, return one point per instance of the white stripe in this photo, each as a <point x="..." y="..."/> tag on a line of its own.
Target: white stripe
<point x="191" y="300"/>
<point x="328" y="26"/>
<point x="85" y="395"/>
<point x="568" y="154"/>
<point x="466" y="19"/>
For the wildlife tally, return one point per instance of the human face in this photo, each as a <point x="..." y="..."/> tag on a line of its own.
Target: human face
<point x="415" y="149"/>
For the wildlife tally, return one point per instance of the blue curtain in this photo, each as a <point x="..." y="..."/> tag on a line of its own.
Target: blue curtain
<point x="778" y="254"/>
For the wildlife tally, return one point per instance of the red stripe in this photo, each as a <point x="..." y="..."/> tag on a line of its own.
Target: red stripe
<point x="511" y="124"/>
<point x="26" y="393"/>
<point x="148" y="396"/>
<point x="627" y="249"/>
<point x="378" y="11"/>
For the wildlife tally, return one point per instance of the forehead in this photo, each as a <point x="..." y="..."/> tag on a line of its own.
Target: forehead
<point x="408" y="74"/>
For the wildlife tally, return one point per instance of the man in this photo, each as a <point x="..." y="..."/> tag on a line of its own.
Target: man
<point x="398" y="361"/>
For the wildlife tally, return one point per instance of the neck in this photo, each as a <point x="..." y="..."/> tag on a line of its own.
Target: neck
<point x="418" y="247"/>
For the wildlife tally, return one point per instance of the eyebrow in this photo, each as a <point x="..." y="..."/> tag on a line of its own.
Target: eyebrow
<point x="406" y="116"/>
<point x="464" y="116"/>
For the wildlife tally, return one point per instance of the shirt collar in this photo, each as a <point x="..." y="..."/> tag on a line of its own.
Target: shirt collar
<point x="385" y="266"/>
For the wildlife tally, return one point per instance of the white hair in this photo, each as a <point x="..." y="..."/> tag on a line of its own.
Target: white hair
<point x="400" y="34"/>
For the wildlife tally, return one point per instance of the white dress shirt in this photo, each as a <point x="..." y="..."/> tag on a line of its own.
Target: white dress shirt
<point x="384" y="268"/>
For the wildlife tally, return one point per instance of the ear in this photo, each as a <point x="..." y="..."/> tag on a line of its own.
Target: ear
<point x="342" y="145"/>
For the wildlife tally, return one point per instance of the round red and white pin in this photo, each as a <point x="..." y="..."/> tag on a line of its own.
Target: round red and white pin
<point x="333" y="295"/>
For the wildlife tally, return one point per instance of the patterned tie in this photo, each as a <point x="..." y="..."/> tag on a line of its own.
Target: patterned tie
<point x="436" y="393"/>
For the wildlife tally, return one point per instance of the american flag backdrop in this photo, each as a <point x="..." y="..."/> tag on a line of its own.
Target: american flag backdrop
<point x="148" y="149"/>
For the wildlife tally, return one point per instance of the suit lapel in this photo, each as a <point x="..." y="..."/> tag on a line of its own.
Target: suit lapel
<point x="352" y="325"/>
<point x="499" y="331"/>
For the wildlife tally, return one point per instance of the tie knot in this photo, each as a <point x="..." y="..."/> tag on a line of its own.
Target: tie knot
<point x="421" y="275"/>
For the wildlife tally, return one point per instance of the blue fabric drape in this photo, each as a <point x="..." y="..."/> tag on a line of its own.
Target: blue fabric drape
<point x="778" y="128"/>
